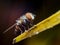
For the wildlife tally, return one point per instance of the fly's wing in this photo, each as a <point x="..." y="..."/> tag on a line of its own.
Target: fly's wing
<point x="9" y="28"/>
<point x="50" y="22"/>
<point x="19" y="21"/>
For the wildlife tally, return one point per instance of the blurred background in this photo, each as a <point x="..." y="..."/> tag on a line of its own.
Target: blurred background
<point x="10" y="10"/>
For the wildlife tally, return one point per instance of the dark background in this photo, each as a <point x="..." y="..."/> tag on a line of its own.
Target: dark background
<point x="10" y="10"/>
